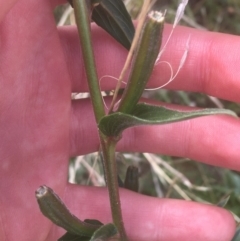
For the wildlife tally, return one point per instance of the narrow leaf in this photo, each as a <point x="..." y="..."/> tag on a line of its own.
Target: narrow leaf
<point x="93" y="221"/>
<point x="53" y="208"/>
<point x="144" y="59"/>
<point x="144" y="114"/>
<point x="112" y="16"/>
<point x="104" y="233"/>
<point x="73" y="237"/>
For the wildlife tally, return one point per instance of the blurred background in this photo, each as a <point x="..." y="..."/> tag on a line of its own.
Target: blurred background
<point x="166" y="176"/>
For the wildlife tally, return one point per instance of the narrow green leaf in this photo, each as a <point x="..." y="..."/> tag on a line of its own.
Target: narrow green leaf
<point x="73" y="237"/>
<point x="104" y="233"/>
<point x="131" y="179"/>
<point x="112" y="16"/>
<point x="53" y="208"/>
<point x="237" y="235"/>
<point x="93" y="221"/>
<point x="143" y="62"/>
<point x="144" y="114"/>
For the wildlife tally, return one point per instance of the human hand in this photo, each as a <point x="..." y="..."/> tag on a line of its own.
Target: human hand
<point x="41" y="128"/>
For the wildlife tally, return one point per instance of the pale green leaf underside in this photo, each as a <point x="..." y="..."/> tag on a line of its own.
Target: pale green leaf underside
<point x="105" y="232"/>
<point x="144" y="114"/>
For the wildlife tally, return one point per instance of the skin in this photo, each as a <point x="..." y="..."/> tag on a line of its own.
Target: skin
<point x="40" y="128"/>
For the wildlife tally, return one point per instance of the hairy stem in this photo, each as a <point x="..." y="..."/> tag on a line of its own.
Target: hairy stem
<point x="108" y="149"/>
<point x="107" y="145"/>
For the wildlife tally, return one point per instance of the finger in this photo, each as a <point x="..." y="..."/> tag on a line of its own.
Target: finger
<point x="109" y="56"/>
<point x="211" y="139"/>
<point x="35" y="107"/>
<point x="148" y="218"/>
<point x="58" y="2"/>
<point x="211" y="65"/>
<point x="5" y="7"/>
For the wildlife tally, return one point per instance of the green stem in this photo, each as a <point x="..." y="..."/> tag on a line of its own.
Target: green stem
<point x="108" y="148"/>
<point x="83" y="23"/>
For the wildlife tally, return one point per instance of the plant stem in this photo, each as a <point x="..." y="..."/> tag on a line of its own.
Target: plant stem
<point x="108" y="149"/>
<point x="83" y="23"/>
<point x="107" y="144"/>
